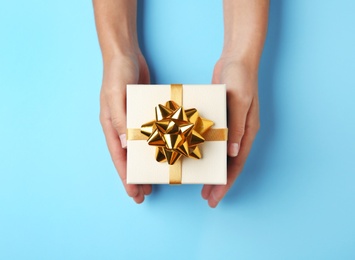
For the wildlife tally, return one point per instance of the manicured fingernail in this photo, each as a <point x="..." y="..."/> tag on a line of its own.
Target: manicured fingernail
<point x="233" y="149"/>
<point x="123" y="140"/>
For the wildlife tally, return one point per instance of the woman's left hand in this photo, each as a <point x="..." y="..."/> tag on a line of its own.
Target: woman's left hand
<point x="243" y="119"/>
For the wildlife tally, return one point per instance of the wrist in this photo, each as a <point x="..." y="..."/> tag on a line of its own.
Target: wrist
<point x="245" y="60"/>
<point x="116" y="28"/>
<point x="119" y="60"/>
<point x="121" y="49"/>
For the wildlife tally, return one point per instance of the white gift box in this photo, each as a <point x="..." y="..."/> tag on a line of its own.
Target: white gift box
<point x="210" y="102"/>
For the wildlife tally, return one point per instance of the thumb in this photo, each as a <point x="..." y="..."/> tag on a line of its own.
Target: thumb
<point x="117" y="106"/>
<point x="237" y="115"/>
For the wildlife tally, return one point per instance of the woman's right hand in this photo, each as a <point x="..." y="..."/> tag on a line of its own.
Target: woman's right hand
<point x="118" y="72"/>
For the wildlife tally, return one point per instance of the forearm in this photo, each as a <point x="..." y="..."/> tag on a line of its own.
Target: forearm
<point x="116" y="27"/>
<point x="245" y="26"/>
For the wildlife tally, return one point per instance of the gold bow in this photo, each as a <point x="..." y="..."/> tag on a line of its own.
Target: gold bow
<point x="177" y="132"/>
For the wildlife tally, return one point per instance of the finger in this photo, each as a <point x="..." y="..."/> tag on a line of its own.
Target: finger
<point x="236" y="164"/>
<point x="206" y="191"/>
<point x="219" y="191"/>
<point x="147" y="189"/>
<point x="140" y="196"/>
<point x="117" y="106"/>
<point x="238" y="107"/>
<point x="234" y="169"/>
<point x="118" y="154"/>
<point x="114" y="97"/>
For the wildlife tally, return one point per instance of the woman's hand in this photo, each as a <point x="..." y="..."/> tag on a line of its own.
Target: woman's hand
<point x="123" y="64"/>
<point x="245" y="25"/>
<point x="243" y="119"/>
<point x="119" y="72"/>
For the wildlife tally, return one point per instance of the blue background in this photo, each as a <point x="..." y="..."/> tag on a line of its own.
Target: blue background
<point x="60" y="197"/>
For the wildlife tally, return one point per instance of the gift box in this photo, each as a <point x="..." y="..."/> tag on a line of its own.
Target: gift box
<point x="176" y="134"/>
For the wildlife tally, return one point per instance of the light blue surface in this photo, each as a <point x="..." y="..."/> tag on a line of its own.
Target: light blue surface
<point x="60" y="197"/>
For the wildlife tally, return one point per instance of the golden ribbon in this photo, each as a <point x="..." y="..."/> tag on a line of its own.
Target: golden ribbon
<point x="177" y="132"/>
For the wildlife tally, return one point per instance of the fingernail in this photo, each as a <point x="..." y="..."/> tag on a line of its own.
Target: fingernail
<point x="233" y="149"/>
<point x="123" y="140"/>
